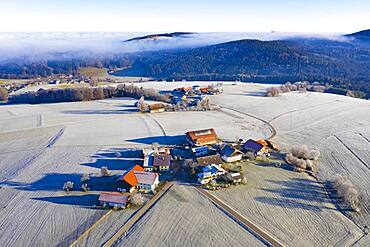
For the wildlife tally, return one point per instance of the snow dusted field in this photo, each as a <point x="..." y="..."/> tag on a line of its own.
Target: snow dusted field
<point x="42" y="146"/>
<point x="184" y="218"/>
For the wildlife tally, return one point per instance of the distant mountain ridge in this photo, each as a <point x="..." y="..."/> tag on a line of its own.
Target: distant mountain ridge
<point x="158" y="36"/>
<point x="364" y="34"/>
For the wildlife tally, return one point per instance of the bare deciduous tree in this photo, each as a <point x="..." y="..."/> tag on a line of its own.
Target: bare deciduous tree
<point x="137" y="199"/>
<point x="104" y="171"/>
<point x="347" y="191"/>
<point x="68" y="186"/>
<point x="85" y="178"/>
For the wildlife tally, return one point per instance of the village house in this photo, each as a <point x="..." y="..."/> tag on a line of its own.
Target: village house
<point x="209" y="173"/>
<point x="147" y="181"/>
<point x="113" y="199"/>
<point x="200" y="151"/>
<point x="258" y="149"/>
<point x="210" y="159"/>
<point x="137" y="179"/>
<point x="231" y="154"/>
<point x="156" y="108"/>
<point x="162" y="162"/>
<point x="202" y="137"/>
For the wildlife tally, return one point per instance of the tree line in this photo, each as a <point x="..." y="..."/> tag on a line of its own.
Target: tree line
<point x="87" y="94"/>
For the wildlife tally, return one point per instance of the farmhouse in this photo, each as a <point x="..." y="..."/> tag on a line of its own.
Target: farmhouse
<point x="230" y="154"/>
<point x="202" y="137"/>
<point x="162" y="162"/>
<point x="158" y="107"/>
<point x="208" y="160"/>
<point x="147" y="181"/>
<point x="200" y="151"/>
<point x="137" y="178"/>
<point x="113" y="199"/>
<point x="209" y="173"/>
<point x="255" y="147"/>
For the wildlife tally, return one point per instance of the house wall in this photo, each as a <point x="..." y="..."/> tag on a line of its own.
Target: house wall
<point x="232" y="158"/>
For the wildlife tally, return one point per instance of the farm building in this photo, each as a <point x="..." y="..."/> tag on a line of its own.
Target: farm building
<point x="255" y="147"/>
<point x="148" y="163"/>
<point x="113" y="199"/>
<point x="137" y="179"/>
<point x="208" y="160"/>
<point x="231" y="154"/>
<point x="147" y="181"/>
<point x="200" y="151"/>
<point x="202" y="137"/>
<point x="237" y="177"/>
<point x="158" y="107"/>
<point x="162" y="162"/>
<point x="209" y="173"/>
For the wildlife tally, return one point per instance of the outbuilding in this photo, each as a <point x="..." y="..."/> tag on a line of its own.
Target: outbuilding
<point x="113" y="199"/>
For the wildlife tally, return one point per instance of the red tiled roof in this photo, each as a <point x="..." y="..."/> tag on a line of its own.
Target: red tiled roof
<point x="114" y="197"/>
<point x="202" y="136"/>
<point x="156" y="106"/>
<point x="130" y="177"/>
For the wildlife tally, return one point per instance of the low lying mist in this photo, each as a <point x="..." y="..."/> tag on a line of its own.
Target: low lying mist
<point x="59" y="45"/>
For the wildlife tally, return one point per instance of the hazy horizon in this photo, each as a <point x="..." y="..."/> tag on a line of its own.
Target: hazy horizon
<point x="316" y="16"/>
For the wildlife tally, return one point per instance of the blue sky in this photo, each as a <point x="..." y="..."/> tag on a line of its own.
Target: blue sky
<point x="191" y="15"/>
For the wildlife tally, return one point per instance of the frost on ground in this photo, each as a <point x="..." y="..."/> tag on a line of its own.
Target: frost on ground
<point x="291" y="206"/>
<point x="43" y="146"/>
<point x="183" y="217"/>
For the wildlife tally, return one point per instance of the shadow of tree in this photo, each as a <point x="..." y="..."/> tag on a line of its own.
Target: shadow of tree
<point x="82" y="200"/>
<point x="162" y="140"/>
<point x="55" y="181"/>
<point x="92" y="112"/>
<point x="297" y="193"/>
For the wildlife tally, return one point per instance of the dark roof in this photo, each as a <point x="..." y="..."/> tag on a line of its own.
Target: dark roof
<point x="229" y="151"/>
<point x="162" y="160"/>
<point x="200" y="149"/>
<point x="252" y="145"/>
<point x="211" y="159"/>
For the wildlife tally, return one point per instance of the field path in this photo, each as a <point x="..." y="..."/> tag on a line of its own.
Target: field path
<point x="273" y="130"/>
<point x="138" y="215"/>
<point x="247" y="224"/>
<point x="354" y="154"/>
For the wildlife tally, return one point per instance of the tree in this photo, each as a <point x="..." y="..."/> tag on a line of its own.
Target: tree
<point x="85" y="178"/>
<point x="141" y="105"/>
<point x="104" y="171"/>
<point x="3" y="94"/>
<point x="137" y="199"/>
<point x="68" y="186"/>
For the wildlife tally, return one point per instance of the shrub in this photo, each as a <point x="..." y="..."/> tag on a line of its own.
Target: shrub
<point x="273" y="92"/>
<point x="347" y="191"/>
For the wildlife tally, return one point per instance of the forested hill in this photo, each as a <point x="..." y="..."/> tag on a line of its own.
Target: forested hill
<point x="245" y="60"/>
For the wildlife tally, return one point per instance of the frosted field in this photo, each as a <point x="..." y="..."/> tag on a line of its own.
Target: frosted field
<point x="42" y="146"/>
<point x="184" y="218"/>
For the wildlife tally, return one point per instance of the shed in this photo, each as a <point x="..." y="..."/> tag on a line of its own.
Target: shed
<point x="113" y="199"/>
